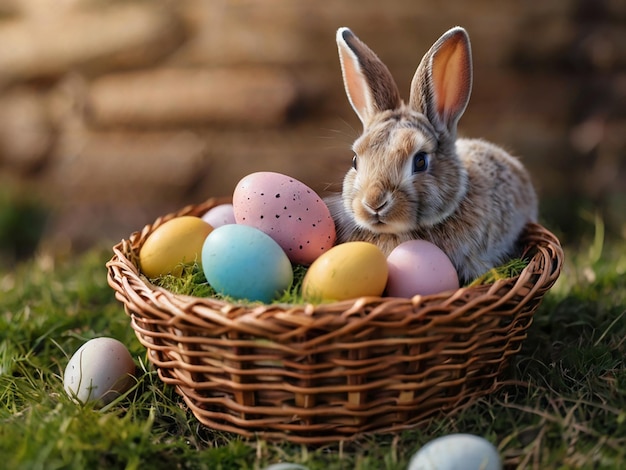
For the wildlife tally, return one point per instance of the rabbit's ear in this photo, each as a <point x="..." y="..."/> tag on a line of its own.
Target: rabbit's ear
<point x="442" y="83"/>
<point x="368" y="82"/>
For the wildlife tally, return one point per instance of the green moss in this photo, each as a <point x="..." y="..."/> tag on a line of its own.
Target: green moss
<point x="191" y="282"/>
<point x="508" y="270"/>
<point x="293" y="295"/>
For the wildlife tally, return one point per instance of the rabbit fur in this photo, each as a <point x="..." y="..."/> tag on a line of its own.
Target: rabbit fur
<point x="412" y="178"/>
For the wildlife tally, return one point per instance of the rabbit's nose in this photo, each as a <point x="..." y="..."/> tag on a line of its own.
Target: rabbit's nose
<point x="375" y="207"/>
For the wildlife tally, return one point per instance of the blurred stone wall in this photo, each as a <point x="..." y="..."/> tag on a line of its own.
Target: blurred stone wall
<point x="114" y="112"/>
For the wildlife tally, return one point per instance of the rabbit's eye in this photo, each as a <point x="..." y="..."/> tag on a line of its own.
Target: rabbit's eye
<point x="354" y="162"/>
<point x="420" y="162"/>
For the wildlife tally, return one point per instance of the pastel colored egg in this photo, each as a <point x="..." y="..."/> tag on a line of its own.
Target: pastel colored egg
<point x="99" y="371"/>
<point x="346" y="271"/>
<point x="457" y="451"/>
<point x="219" y="215"/>
<point x="419" y="267"/>
<point x="171" y="245"/>
<point x="288" y="211"/>
<point x="243" y="262"/>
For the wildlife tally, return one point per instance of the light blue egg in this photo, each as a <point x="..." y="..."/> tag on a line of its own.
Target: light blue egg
<point x="242" y="262"/>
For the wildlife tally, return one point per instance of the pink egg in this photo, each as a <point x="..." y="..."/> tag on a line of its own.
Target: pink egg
<point x="217" y="216"/>
<point x="419" y="267"/>
<point x="288" y="211"/>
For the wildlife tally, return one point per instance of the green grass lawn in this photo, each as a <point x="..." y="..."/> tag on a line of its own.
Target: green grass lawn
<point x="563" y="405"/>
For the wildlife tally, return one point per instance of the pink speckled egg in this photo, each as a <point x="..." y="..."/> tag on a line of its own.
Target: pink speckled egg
<point x="419" y="267"/>
<point x="288" y="211"/>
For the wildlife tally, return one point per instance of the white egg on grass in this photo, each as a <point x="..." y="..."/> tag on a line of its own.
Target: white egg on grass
<point x="457" y="452"/>
<point x="99" y="371"/>
<point x="285" y="466"/>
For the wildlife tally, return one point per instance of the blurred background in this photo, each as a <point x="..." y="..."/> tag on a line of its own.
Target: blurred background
<point x="115" y="112"/>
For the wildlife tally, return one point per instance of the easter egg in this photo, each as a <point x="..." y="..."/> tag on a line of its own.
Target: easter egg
<point x="219" y="215"/>
<point x="99" y="371"/>
<point x="243" y="262"/>
<point x="456" y="451"/>
<point x="288" y="211"/>
<point x="419" y="267"/>
<point x="346" y="271"/>
<point x="176" y="242"/>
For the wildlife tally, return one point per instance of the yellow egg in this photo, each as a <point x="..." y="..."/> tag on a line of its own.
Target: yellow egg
<point x="346" y="271"/>
<point x="178" y="241"/>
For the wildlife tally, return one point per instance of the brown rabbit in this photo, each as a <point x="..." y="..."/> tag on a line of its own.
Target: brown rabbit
<point x="411" y="178"/>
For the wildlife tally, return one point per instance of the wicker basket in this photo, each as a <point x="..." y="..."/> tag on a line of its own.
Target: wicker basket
<point x="317" y="374"/>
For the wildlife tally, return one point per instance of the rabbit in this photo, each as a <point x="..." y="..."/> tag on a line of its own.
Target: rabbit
<point x="411" y="178"/>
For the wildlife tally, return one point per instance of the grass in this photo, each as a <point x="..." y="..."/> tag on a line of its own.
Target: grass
<point x="563" y="404"/>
